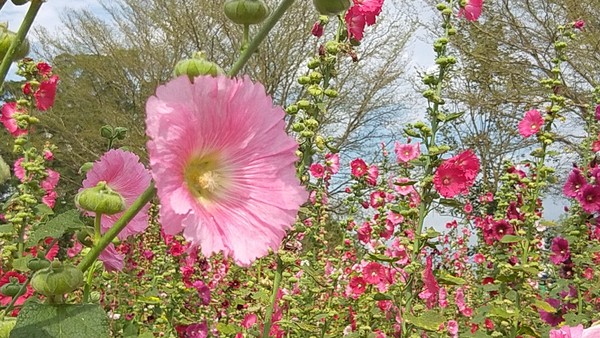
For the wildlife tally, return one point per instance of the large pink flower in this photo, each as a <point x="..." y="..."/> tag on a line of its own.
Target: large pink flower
<point x="44" y="96"/>
<point x="531" y="124"/>
<point x="9" y="109"/>
<point x="472" y="10"/>
<point x="407" y="152"/>
<point x="123" y="173"/>
<point x="362" y="13"/>
<point x="223" y="165"/>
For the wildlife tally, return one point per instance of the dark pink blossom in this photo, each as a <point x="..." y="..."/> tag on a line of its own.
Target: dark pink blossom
<point x="531" y="124"/>
<point x="430" y="285"/>
<point x="575" y="182"/>
<point x="45" y="94"/>
<point x="472" y="10"/>
<point x="358" y="167"/>
<point x="590" y="198"/>
<point x="317" y="29"/>
<point x="560" y="250"/>
<point x="317" y="170"/>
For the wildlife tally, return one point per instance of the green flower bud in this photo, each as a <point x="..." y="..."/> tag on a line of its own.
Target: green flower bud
<point x="13" y="288"/>
<point x="315" y="77"/>
<point x="197" y="66"/>
<point x="246" y="12"/>
<point x="304" y="80"/>
<point x="106" y="131"/>
<point x="19" y="2"/>
<point x="311" y="124"/>
<point x="292" y="109"/>
<point x="331" y="92"/>
<point x="332" y="47"/>
<point x="315" y="90"/>
<point x="331" y="7"/>
<point x="38" y="264"/>
<point x="4" y="171"/>
<point x="57" y="280"/>
<point x="313" y="63"/>
<point x="6" y="39"/>
<point x="100" y="199"/>
<point x="303" y="104"/>
<point x="298" y="127"/>
<point x="120" y="133"/>
<point x="85" y="168"/>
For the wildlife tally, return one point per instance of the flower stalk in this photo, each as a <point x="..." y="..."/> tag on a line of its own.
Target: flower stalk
<point x="273" y="300"/>
<point x="19" y="38"/>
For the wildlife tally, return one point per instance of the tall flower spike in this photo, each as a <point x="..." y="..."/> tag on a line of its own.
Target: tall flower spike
<point x="223" y="165"/>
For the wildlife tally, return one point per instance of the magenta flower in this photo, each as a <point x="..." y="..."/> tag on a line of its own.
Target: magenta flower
<point x="358" y="167"/>
<point x="317" y="29"/>
<point x="362" y="13"/>
<point x="552" y="318"/>
<point x="45" y="94"/>
<point x="406" y="152"/>
<point x="356" y="287"/>
<point x="472" y="10"/>
<point x="501" y="228"/>
<point x="123" y="173"/>
<point x="531" y="124"/>
<point x="431" y="287"/>
<point x="579" y="24"/>
<point x="560" y="250"/>
<point x="449" y="180"/>
<point x="575" y="182"/>
<point x="373" y="273"/>
<point x="468" y="162"/>
<point x="589" y="198"/>
<point x="9" y="110"/>
<point x="597" y="112"/>
<point x="453" y="328"/>
<point x="372" y="175"/>
<point x="223" y="165"/>
<point x="317" y="170"/>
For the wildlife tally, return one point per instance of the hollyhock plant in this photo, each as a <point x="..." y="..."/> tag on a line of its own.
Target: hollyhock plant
<point x="45" y="94"/>
<point x="531" y="124"/>
<point x="9" y="109"/>
<point x="575" y="182"/>
<point x="472" y="10"/>
<point x="124" y="174"/>
<point x="223" y="165"/>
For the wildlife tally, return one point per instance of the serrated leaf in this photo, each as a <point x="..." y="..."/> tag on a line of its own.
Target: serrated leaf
<point x="450" y="280"/>
<point x="61" y="321"/>
<point x="505" y="314"/>
<point x="450" y="203"/>
<point x="6" y="325"/>
<point x="43" y="210"/>
<point x="429" y="320"/>
<point x="511" y="239"/>
<point x="56" y="227"/>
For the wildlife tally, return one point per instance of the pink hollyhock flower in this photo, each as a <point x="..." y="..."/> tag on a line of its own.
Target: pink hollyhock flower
<point x="123" y="173"/>
<point x="362" y="13"/>
<point x="377" y="199"/>
<point x="50" y="199"/>
<point x="358" y="167"/>
<point x="43" y="68"/>
<point x="443" y="298"/>
<point x="560" y="250"/>
<point x="9" y="109"/>
<point x="570" y="332"/>
<point x="332" y="163"/>
<point x="407" y="152"/>
<point x="44" y="96"/>
<point x="373" y="273"/>
<point x="223" y="165"/>
<point x="472" y="10"/>
<point x="203" y="291"/>
<point x="317" y="29"/>
<point x="18" y="168"/>
<point x="372" y="175"/>
<point x="48" y="155"/>
<point x="27" y="90"/>
<point x="467" y="161"/>
<point x="401" y="186"/>
<point x="597" y="112"/>
<point x="112" y="259"/>
<point x="364" y="232"/>
<point x="579" y="24"/>
<point x="356" y="287"/>
<point x="575" y="182"/>
<point x="430" y="288"/>
<point x="449" y="180"/>
<point x="531" y="124"/>
<point x="249" y="320"/>
<point x="589" y="198"/>
<point x="198" y="330"/>
<point x="501" y="228"/>
<point x="549" y="317"/>
<point x="479" y="258"/>
<point x="317" y="170"/>
<point x="51" y="181"/>
<point x="453" y="327"/>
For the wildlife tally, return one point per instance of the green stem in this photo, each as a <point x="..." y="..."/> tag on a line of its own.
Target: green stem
<point x="246" y="37"/>
<point x="97" y="227"/>
<point x="119" y="225"/>
<point x="19" y="38"/>
<point x="260" y="36"/>
<point x="269" y="313"/>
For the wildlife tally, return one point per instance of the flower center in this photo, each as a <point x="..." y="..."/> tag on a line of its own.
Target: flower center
<point x="205" y="177"/>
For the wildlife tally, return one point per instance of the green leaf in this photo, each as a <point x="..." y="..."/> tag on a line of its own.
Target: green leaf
<point x="448" y="279"/>
<point x="61" y="321"/>
<point x="450" y="203"/>
<point x="511" y="239"/>
<point x="6" y="229"/>
<point x="381" y="296"/>
<point x="382" y="258"/>
<point x="20" y="264"/>
<point x="528" y="331"/>
<point x="429" y="320"/>
<point x="56" y="227"/>
<point x="6" y="325"/>
<point x="403" y="184"/>
<point x="502" y="313"/>
<point x="43" y="210"/>
<point x="227" y="329"/>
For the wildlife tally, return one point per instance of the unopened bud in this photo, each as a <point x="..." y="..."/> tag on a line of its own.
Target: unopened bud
<point x="100" y="199"/>
<point x="246" y="12"/>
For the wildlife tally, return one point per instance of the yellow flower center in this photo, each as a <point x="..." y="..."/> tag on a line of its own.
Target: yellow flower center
<point x="205" y="177"/>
